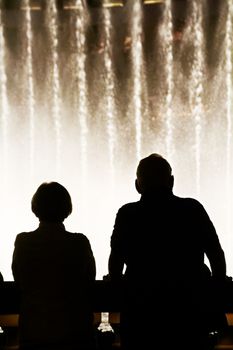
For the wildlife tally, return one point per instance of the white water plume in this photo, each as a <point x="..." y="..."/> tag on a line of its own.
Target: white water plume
<point x="196" y="85"/>
<point x="109" y="90"/>
<point x="4" y="106"/>
<point x="137" y="73"/>
<point x="167" y="40"/>
<point x="229" y="96"/>
<point x="90" y="106"/>
<point x="55" y="81"/>
<point x="80" y="73"/>
<point x="30" y="84"/>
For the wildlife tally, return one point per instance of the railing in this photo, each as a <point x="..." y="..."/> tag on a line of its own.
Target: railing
<point x="107" y="304"/>
<point x="106" y="311"/>
<point x="106" y="300"/>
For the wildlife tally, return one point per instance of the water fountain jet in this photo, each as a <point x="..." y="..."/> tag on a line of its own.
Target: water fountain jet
<point x="83" y="114"/>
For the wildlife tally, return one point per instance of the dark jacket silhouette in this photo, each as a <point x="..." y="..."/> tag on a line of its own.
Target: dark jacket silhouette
<point x="55" y="271"/>
<point x="162" y="240"/>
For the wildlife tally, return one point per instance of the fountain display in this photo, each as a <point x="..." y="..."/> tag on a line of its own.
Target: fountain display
<point x="85" y="92"/>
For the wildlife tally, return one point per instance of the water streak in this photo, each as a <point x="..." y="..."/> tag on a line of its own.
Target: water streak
<point x="196" y="88"/>
<point x="137" y="73"/>
<point x="80" y="73"/>
<point x="167" y="39"/>
<point x="30" y="84"/>
<point x="56" y="113"/>
<point x="229" y="95"/>
<point x="89" y="81"/>
<point x="4" y="106"/>
<point x="109" y="90"/>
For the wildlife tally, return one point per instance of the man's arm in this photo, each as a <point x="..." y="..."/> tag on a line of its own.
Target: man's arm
<point x="14" y="261"/>
<point x="217" y="261"/>
<point x="115" y="265"/>
<point x="213" y="248"/>
<point x="116" y="258"/>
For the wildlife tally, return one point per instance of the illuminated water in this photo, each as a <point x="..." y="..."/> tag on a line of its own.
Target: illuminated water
<point x="80" y="76"/>
<point x="84" y="95"/>
<point x="137" y="73"/>
<point x="30" y="84"/>
<point x="229" y="96"/>
<point x="109" y="93"/>
<point x="167" y="43"/>
<point x="196" y="85"/>
<point x="3" y="106"/>
<point x="52" y="25"/>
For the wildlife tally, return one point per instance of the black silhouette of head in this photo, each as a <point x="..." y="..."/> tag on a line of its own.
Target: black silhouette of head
<point x="51" y="202"/>
<point x="154" y="173"/>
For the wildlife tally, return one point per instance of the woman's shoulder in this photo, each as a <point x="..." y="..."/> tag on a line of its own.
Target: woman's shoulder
<point x="77" y="236"/>
<point x="24" y="235"/>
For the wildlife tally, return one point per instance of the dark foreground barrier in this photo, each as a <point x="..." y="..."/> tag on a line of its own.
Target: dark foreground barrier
<point x="107" y="297"/>
<point x="107" y="300"/>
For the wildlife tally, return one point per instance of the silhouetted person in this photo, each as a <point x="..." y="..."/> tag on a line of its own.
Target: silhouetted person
<point x="55" y="272"/>
<point x="161" y="241"/>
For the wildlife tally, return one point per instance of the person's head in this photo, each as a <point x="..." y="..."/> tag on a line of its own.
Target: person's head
<point x="154" y="173"/>
<point x="51" y="202"/>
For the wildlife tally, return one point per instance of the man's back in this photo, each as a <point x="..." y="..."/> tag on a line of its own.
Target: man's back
<point x="162" y="240"/>
<point x="165" y="237"/>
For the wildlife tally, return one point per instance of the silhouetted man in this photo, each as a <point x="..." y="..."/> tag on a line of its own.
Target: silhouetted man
<point x="162" y="240"/>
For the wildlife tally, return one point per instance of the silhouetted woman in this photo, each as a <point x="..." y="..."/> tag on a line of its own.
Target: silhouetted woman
<point x="55" y="272"/>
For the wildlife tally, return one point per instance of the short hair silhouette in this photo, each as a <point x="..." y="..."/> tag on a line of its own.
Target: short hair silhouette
<point x="51" y="202"/>
<point x="153" y="172"/>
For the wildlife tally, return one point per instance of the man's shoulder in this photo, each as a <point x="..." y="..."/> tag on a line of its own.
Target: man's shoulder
<point x="188" y="201"/>
<point x="189" y="206"/>
<point x="178" y="202"/>
<point x="128" y="211"/>
<point x="129" y="206"/>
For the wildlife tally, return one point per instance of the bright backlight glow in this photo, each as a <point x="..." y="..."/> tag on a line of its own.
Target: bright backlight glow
<point x="84" y="95"/>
